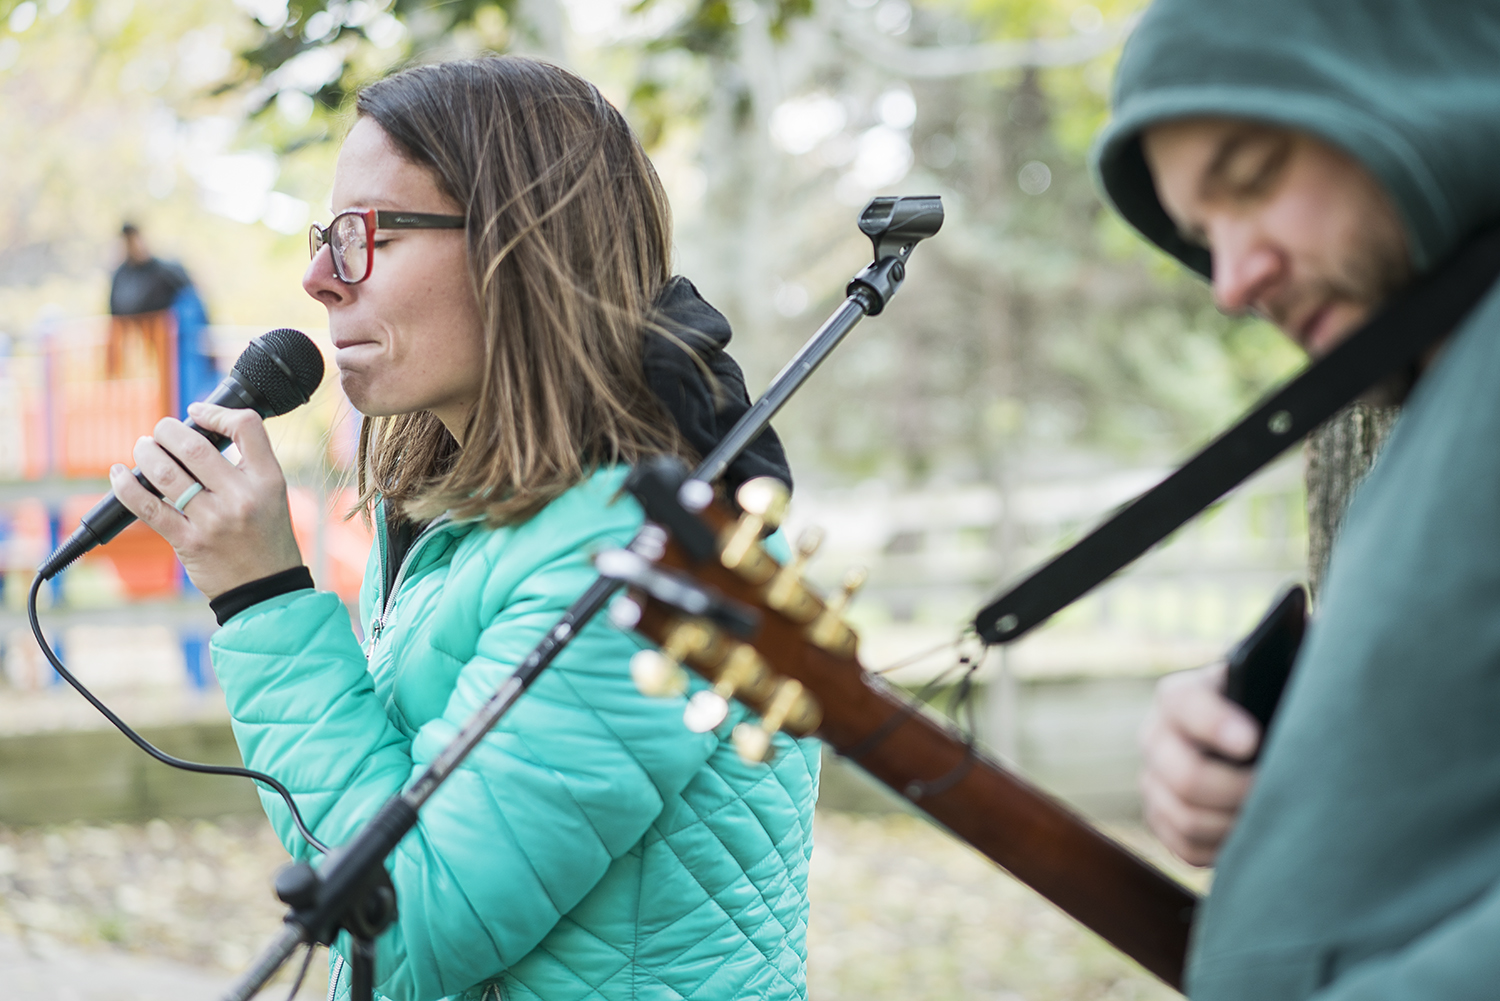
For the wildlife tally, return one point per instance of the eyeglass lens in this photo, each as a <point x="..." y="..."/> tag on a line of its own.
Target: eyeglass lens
<point x="348" y="240"/>
<point x="350" y="243"/>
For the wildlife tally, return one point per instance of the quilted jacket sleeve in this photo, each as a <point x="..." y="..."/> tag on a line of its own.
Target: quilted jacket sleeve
<point x="569" y="781"/>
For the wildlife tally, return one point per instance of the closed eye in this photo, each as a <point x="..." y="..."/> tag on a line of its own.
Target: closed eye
<point x="1247" y="165"/>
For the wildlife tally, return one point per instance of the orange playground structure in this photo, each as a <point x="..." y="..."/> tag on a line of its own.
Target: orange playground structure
<point x="73" y="400"/>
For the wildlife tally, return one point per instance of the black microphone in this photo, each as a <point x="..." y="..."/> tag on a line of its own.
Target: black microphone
<point x="276" y="373"/>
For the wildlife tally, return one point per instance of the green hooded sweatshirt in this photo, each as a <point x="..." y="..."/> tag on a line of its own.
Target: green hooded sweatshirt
<point x="1366" y="862"/>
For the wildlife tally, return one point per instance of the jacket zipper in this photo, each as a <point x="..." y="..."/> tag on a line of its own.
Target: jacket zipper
<point x="333" y="981"/>
<point x="388" y="601"/>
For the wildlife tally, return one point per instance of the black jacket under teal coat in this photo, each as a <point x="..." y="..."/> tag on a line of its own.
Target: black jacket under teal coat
<point x="1366" y="863"/>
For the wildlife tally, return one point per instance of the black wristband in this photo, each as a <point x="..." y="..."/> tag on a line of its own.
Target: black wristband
<point x="235" y="600"/>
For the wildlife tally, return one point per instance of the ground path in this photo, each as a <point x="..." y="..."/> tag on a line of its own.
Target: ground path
<point x="45" y="970"/>
<point x="172" y="911"/>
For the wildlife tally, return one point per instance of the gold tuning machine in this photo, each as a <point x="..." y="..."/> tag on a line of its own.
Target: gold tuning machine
<point x="791" y="709"/>
<point x="745" y="675"/>
<point x="786" y="593"/>
<point x="659" y="673"/>
<point x="830" y="631"/>
<point x="764" y="501"/>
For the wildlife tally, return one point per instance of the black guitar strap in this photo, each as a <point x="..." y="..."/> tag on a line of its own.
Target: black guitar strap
<point x="1414" y="321"/>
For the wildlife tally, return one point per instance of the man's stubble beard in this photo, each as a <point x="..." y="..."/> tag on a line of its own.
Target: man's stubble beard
<point x="1375" y="273"/>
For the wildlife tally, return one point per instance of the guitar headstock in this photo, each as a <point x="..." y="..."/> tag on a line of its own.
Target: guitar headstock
<point x="764" y="668"/>
<point x="705" y="590"/>
<point x="783" y="589"/>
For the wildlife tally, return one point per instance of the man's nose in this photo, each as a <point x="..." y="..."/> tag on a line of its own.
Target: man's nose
<point x="320" y="282"/>
<point x="1246" y="266"/>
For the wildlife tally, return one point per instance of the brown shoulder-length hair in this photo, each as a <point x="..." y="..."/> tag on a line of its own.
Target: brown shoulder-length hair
<point x="569" y="241"/>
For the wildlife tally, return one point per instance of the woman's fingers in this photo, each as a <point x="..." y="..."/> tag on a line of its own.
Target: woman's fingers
<point x="246" y="429"/>
<point x="202" y="459"/>
<point x="192" y="454"/>
<point x="235" y="529"/>
<point x="146" y="506"/>
<point x="161" y="469"/>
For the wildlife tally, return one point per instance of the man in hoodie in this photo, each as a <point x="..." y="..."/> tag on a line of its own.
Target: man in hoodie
<point x="1311" y="157"/>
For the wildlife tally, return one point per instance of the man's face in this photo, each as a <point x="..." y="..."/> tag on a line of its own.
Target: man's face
<point x="1300" y="232"/>
<point x="135" y="248"/>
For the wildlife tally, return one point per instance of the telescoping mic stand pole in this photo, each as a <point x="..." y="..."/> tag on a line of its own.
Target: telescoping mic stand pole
<point x="351" y="891"/>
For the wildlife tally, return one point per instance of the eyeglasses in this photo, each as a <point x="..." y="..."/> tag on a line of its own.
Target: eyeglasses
<point x="351" y="237"/>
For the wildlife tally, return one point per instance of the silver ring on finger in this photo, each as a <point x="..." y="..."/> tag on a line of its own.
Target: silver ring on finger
<point x="187" y="495"/>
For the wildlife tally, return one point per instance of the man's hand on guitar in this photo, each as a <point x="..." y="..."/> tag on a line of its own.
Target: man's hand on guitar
<point x="1196" y="745"/>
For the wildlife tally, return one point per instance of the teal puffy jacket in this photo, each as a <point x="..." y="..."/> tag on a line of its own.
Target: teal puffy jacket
<point x="591" y="846"/>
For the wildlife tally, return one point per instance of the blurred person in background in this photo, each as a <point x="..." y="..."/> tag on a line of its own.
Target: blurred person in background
<point x="144" y="283"/>
<point x="495" y="273"/>
<point x="1310" y="159"/>
<point x="155" y="302"/>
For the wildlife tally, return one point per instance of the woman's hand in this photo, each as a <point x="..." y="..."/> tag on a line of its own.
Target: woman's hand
<point x="238" y="528"/>
<point x="1197" y="745"/>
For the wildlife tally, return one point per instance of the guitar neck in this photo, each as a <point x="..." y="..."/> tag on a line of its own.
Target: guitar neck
<point x="1102" y="884"/>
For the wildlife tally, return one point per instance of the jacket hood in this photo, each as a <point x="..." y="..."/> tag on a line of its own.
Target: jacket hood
<point x="705" y="409"/>
<point x="1410" y="88"/>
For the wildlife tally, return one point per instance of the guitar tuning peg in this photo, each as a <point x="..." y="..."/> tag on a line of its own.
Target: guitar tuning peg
<point x="659" y="673"/>
<point x="705" y="711"/>
<point x="745" y="676"/>
<point x="753" y="743"/>
<point x="854" y="579"/>
<point x="624" y="612"/>
<point x="791" y="710"/>
<point x="764" y="497"/>
<point x="764" y="501"/>
<point x="657" y="676"/>
<point x="808" y="543"/>
<point x="831" y="632"/>
<point x="786" y="593"/>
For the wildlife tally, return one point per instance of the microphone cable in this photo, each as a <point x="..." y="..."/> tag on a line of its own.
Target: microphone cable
<point x="146" y="745"/>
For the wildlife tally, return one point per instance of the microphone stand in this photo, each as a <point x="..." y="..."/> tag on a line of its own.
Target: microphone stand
<point x="352" y="891"/>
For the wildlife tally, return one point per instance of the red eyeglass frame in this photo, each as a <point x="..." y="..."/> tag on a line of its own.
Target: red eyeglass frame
<point x="375" y="219"/>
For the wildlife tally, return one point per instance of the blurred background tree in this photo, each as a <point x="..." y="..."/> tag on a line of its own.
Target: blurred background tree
<point x="1037" y="341"/>
<point x="1034" y="328"/>
<point x="1036" y="338"/>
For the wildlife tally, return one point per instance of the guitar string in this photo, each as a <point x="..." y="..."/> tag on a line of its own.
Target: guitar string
<point x="920" y="656"/>
<point x="910" y="706"/>
<point x="962" y="701"/>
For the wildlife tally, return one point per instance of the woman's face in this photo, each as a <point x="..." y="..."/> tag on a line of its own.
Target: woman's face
<point x="410" y="336"/>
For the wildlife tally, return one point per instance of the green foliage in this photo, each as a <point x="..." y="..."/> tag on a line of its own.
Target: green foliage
<point x="455" y="27"/>
<point x="109" y="116"/>
<point x="1036" y="325"/>
<point x="348" y="30"/>
<point x="1035" y="322"/>
<point x="710" y="27"/>
<point x="707" y="30"/>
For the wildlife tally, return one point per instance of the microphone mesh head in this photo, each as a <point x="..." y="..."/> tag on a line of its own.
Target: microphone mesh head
<point x="283" y="367"/>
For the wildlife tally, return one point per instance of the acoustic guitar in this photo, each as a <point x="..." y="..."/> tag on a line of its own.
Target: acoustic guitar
<point x="799" y="671"/>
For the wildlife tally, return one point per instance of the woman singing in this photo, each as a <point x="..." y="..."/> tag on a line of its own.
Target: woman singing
<point x="495" y="274"/>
